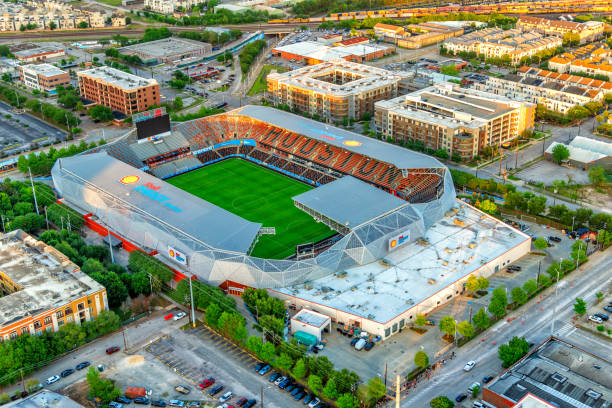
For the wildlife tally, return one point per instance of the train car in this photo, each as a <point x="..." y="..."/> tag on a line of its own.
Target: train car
<point x="278" y="21"/>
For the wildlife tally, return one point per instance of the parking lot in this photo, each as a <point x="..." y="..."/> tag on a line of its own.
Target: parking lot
<point x="602" y="309"/>
<point x="18" y="130"/>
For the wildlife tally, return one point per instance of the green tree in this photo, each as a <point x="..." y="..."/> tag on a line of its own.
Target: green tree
<point x="421" y="360"/>
<point x="475" y="391"/>
<point x="284" y="362"/>
<point x="345" y="401"/>
<point x="299" y="370"/>
<point x="321" y="366"/>
<point x="101" y="113"/>
<point x="497" y="308"/>
<point x="500" y="293"/>
<point x="580" y="307"/>
<point x="315" y="384"/>
<point x="420" y="320"/>
<point x="100" y="387"/>
<point x="466" y="329"/>
<point x="376" y="389"/>
<point x="441" y="402"/>
<point x="447" y="325"/>
<point x="345" y="380"/>
<point x="540" y="243"/>
<point x="483" y="283"/>
<point x="178" y="103"/>
<point x="512" y="352"/>
<point x="597" y="175"/>
<point x="254" y="344"/>
<point x="481" y="319"/>
<point x="560" y="153"/>
<point x="472" y="284"/>
<point x="83" y="24"/>
<point x="330" y="391"/>
<point x="115" y="288"/>
<point x="213" y="312"/>
<point x="267" y="352"/>
<point x="518" y="295"/>
<point x="530" y="286"/>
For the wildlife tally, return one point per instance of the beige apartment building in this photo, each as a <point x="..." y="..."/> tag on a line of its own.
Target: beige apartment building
<point x="589" y="31"/>
<point x="458" y="120"/>
<point x="333" y="90"/>
<point x="43" y="77"/>
<point x="41" y="289"/>
<point x="169" y="6"/>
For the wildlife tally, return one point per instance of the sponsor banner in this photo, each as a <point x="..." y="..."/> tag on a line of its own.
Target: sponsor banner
<point x="399" y="240"/>
<point x="177" y="256"/>
<point x="248" y="142"/>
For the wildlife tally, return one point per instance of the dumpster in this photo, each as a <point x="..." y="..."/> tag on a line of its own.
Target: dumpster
<point x="305" y="338"/>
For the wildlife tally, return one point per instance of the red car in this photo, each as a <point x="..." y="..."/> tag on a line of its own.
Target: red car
<point x="241" y="402"/>
<point x="206" y="383"/>
<point x="168" y="317"/>
<point x="113" y="349"/>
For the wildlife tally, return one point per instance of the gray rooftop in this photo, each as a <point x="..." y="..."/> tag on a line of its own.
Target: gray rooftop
<point x="198" y="218"/>
<point x="44" y="69"/>
<point x="40" y="49"/>
<point x="44" y="398"/>
<point x="311" y="318"/>
<point x="119" y="78"/>
<point x="561" y="374"/>
<point x="350" y="202"/>
<point x="47" y="277"/>
<point x="166" y="46"/>
<point x="379" y="150"/>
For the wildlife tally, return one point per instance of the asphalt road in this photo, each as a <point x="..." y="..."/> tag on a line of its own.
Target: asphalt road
<point x="532" y="321"/>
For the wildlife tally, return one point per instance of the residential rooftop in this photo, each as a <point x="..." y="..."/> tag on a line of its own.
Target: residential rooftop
<point x="47" y="278"/>
<point x="365" y="77"/>
<point x="47" y="70"/>
<point x="559" y="373"/>
<point x="461" y="243"/>
<point x="117" y="77"/>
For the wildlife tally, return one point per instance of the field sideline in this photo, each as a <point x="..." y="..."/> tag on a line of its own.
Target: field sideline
<point x="258" y="195"/>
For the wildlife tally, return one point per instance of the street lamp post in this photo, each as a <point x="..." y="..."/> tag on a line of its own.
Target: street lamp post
<point x="552" y="320"/>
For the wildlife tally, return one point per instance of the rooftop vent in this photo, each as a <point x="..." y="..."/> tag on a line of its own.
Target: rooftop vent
<point x="593" y="394"/>
<point x="558" y="377"/>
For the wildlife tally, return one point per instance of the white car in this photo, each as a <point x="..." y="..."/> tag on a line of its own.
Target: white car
<point x="314" y="403"/>
<point x="279" y="380"/>
<point x="595" y="319"/>
<point x="476" y="384"/>
<point x="226" y="396"/>
<point x="179" y="315"/>
<point x="53" y="379"/>
<point x="469" y="365"/>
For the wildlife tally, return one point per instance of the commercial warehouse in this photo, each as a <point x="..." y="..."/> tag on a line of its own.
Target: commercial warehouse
<point x="315" y="53"/>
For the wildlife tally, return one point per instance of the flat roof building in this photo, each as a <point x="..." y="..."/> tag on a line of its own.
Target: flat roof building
<point x="43" y="77"/>
<point x="458" y="120"/>
<point x="37" y="52"/>
<point x="315" y="52"/>
<point x="334" y="90"/>
<point x="588" y="31"/>
<point x="585" y="153"/>
<point x="42" y="289"/>
<point x="167" y="50"/>
<point x="118" y="90"/>
<point x="44" y="398"/>
<point x="558" y="373"/>
<point x="313" y="323"/>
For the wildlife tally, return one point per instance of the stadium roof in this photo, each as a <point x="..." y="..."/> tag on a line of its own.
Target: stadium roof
<point x="200" y="219"/>
<point x="343" y="139"/>
<point x="350" y="202"/>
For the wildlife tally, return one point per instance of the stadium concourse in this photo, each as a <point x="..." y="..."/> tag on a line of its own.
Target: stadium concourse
<point x="380" y="201"/>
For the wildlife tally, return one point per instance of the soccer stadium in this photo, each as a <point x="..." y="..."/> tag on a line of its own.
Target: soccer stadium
<point x="258" y="197"/>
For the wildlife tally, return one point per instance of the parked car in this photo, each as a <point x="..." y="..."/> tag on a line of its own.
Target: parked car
<point x="430" y="322"/>
<point x="602" y="316"/>
<point x="182" y="389"/>
<point x="461" y="397"/>
<point x="354" y="341"/>
<point x="112" y="349"/>
<point x="259" y="366"/>
<point x="290" y="388"/>
<point x="285" y="383"/>
<point x="595" y="319"/>
<point x="242" y="402"/>
<point x="215" y="390"/>
<point x="141" y="400"/>
<point x="176" y="403"/>
<point x="554" y="239"/>
<point x="179" y="315"/>
<point x="513" y="267"/>
<point x="123" y="399"/>
<point x="314" y="403"/>
<point x="207" y="382"/>
<point x="299" y="395"/>
<point x="608" y="309"/>
<point x="469" y="365"/>
<point x="83" y="365"/>
<point x="53" y="379"/>
<point x="295" y="390"/>
<point x="114" y="404"/>
<point x="360" y="344"/>
<point x="159" y="403"/>
<point x="279" y="380"/>
<point x="226" y="397"/>
<point x="265" y="370"/>
<point x="67" y="372"/>
<point x="308" y="398"/>
<point x="488" y="379"/>
<point x="273" y="377"/>
<point x="250" y="403"/>
<point x="369" y="346"/>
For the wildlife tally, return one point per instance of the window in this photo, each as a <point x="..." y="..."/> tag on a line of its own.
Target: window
<point x="69" y="319"/>
<point x="37" y="324"/>
<point x="60" y="322"/>
<point x="48" y="320"/>
<point x="59" y="314"/>
<point x="401" y="323"/>
<point x="24" y="330"/>
<point x="68" y="311"/>
<point x="13" y="334"/>
<point x="387" y="332"/>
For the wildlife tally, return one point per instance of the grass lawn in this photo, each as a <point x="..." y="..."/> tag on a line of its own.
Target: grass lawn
<point x="261" y="83"/>
<point x="111" y="2"/>
<point x="258" y="195"/>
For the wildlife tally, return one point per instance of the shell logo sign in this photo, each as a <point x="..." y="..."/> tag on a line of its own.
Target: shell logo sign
<point x="399" y="240"/>
<point x="177" y="256"/>
<point x="352" y="143"/>
<point x="130" y="179"/>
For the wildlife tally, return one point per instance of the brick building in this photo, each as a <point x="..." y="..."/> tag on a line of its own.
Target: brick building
<point x="589" y="31"/>
<point x="334" y="90"/>
<point x="118" y="90"/>
<point x="43" y="77"/>
<point x="42" y="289"/>
<point x="460" y="121"/>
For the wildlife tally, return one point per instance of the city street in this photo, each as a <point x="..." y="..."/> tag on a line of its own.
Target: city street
<point x="533" y="321"/>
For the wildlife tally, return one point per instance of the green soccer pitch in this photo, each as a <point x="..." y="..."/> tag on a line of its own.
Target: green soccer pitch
<point x="258" y="195"/>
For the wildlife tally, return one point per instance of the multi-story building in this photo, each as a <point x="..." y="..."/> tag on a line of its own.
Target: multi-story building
<point x="590" y="59"/>
<point x="169" y="6"/>
<point x="30" y="52"/>
<point x="313" y="52"/>
<point x="389" y="31"/>
<point x="425" y="34"/>
<point x="333" y="90"/>
<point x="41" y="289"/>
<point x="458" y="120"/>
<point x="43" y="77"/>
<point x="118" y="90"/>
<point x="167" y="50"/>
<point x="50" y="15"/>
<point x="497" y="43"/>
<point x="589" y="31"/>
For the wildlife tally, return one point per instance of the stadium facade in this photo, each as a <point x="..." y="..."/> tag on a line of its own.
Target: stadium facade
<point x="116" y="185"/>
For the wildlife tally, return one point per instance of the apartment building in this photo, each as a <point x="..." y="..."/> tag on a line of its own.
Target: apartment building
<point x="48" y="15"/>
<point x="557" y="92"/>
<point x="589" y="31"/>
<point x="496" y="43"/>
<point x="591" y="59"/>
<point x="333" y="90"/>
<point x="169" y="6"/>
<point x="43" y="77"/>
<point x="388" y="30"/>
<point x="458" y="120"/>
<point x="42" y="289"/>
<point x="425" y="34"/>
<point x="118" y="90"/>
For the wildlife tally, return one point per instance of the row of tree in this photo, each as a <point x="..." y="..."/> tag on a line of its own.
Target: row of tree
<point x="40" y="164"/>
<point x="219" y="17"/>
<point x="212" y="37"/>
<point x="249" y="53"/>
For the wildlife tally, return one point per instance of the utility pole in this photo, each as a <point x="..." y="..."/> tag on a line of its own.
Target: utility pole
<point x="470" y="315"/>
<point x="192" y="307"/>
<point x="538" y="275"/>
<point x="552" y="320"/>
<point x="124" y="339"/>
<point x="385" y="374"/>
<point x="33" y="192"/>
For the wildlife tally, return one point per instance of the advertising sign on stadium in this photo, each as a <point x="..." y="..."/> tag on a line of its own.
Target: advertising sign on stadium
<point x="177" y="256"/>
<point x="399" y="240"/>
<point x="248" y="142"/>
